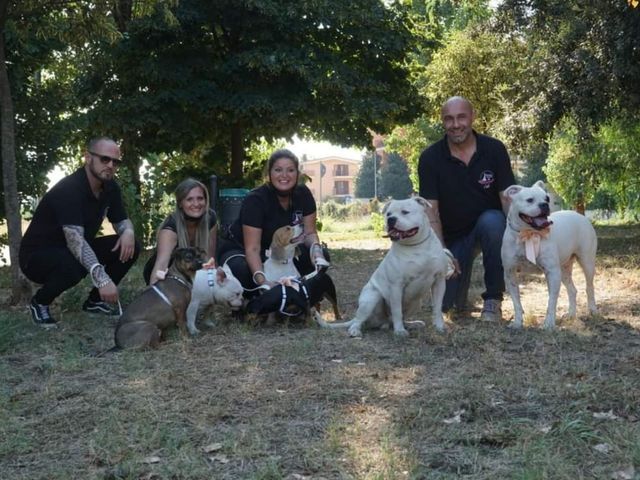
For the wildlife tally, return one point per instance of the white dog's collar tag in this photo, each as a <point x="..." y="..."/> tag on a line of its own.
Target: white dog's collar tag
<point x="210" y="278"/>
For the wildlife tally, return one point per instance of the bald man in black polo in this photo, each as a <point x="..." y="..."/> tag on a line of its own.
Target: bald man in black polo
<point x="463" y="176"/>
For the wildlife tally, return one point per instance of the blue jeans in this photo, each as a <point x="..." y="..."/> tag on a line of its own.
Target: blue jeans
<point x="486" y="237"/>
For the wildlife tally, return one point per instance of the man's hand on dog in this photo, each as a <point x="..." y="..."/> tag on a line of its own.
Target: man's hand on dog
<point x="126" y="243"/>
<point x="109" y="293"/>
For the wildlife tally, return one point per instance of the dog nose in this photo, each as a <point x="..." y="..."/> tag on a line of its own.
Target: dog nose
<point x="544" y="208"/>
<point x="391" y="222"/>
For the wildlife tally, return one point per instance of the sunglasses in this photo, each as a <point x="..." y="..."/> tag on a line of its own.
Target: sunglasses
<point x="105" y="159"/>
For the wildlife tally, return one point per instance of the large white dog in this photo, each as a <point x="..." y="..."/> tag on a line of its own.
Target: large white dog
<point x="550" y="241"/>
<point x="415" y="265"/>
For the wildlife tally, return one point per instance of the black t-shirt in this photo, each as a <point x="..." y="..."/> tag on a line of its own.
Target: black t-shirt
<point x="71" y="202"/>
<point x="464" y="191"/>
<point x="261" y="209"/>
<point x="170" y="222"/>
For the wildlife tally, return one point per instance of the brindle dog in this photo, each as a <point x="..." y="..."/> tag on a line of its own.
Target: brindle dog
<point x="162" y="305"/>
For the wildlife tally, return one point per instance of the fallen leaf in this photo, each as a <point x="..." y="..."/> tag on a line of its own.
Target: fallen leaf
<point x="605" y="415"/>
<point x="336" y="360"/>
<point x="152" y="459"/>
<point x="626" y="474"/>
<point x="212" y="447"/>
<point x="602" y="448"/>
<point x="219" y="458"/>
<point x="457" y="417"/>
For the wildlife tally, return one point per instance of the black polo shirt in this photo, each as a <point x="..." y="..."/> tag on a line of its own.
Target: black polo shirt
<point x="464" y="191"/>
<point x="261" y="209"/>
<point x="71" y="202"/>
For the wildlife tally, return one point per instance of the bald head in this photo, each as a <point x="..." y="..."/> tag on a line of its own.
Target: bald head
<point x="457" y="101"/>
<point x="457" y="118"/>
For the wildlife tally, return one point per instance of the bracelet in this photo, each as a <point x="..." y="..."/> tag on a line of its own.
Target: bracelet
<point x="99" y="271"/>
<point x="103" y="283"/>
<point x="313" y="246"/>
<point x="256" y="273"/>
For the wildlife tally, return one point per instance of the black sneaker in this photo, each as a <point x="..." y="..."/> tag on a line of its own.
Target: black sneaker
<point x="41" y="316"/>
<point x="100" y="307"/>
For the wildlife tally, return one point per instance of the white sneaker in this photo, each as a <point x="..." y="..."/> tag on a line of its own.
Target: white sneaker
<point x="491" y="310"/>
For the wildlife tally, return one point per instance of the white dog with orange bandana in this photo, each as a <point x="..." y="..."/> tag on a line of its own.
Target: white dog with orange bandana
<point x="551" y="241"/>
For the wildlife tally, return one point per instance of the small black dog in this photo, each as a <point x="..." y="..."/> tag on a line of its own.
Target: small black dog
<point x="300" y="300"/>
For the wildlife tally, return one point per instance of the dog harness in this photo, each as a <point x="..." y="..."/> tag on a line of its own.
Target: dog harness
<point x="164" y="298"/>
<point x="283" y="302"/>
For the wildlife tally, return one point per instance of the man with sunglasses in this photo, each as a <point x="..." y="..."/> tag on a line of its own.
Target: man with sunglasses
<point x="60" y="246"/>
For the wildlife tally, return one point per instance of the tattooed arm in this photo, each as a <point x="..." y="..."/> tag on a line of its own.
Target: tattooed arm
<point x="126" y="243"/>
<point x="82" y="251"/>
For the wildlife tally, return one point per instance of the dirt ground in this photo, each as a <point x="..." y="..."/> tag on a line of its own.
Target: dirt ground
<point x="296" y="402"/>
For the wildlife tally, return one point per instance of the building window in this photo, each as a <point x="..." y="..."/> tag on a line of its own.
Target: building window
<point x="341" y="171"/>
<point x="341" y="187"/>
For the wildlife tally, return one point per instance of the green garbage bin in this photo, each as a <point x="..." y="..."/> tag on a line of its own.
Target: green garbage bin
<point x="229" y="205"/>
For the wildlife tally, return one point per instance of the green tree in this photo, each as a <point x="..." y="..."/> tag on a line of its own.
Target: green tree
<point x="394" y="178"/>
<point x="618" y="153"/>
<point x="366" y="183"/>
<point x="578" y="48"/>
<point x="205" y="76"/>
<point x="572" y="166"/>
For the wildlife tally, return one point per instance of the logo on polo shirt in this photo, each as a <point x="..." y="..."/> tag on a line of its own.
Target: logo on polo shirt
<point x="486" y="179"/>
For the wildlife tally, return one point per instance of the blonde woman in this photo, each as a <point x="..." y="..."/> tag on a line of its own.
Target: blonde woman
<point x="191" y="224"/>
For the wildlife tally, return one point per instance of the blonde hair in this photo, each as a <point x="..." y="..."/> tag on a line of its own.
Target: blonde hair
<point x="202" y="232"/>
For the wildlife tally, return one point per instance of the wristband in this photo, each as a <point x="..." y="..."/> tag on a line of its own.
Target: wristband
<point x="315" y="245"/>
<point x="256" y="273"/>
<point x="98" y="276"/>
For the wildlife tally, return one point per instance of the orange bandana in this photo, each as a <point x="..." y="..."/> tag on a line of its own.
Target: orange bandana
<point x="531" y="240"/>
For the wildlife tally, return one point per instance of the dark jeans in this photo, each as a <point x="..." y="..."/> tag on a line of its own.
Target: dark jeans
<point x="58" y="270"/>
<point x="233" y="255"/>
<point x="486" y="237"/>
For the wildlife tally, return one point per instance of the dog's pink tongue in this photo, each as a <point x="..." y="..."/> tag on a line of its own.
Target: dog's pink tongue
<point x="541" y="222"/>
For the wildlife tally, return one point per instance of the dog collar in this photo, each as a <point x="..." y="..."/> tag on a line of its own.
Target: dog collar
<point x="161" y="295"/>
<point x="180" y="280"/>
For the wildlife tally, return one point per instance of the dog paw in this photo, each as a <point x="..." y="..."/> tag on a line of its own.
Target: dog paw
<point x="193" y="331"/>
<point x="354" y="332"/>
<point x="401" y="333"/>
<point x="440" y="328"/>
<point x="515" y="326"/>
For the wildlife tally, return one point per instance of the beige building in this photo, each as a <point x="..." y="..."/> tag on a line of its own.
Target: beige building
<point x="331" y="177"/>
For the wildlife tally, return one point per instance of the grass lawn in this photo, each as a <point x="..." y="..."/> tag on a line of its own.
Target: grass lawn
<point x="295" y="402"/>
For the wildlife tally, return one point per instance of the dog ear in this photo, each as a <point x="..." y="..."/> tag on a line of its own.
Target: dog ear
<point x="423" y="202"/>
<point x="540" y="184"/>
<point x="221" y="275"/>
<point x="511" y="191"/>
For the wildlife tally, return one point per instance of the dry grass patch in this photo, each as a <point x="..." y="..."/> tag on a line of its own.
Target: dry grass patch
<point x="242" y="402"/>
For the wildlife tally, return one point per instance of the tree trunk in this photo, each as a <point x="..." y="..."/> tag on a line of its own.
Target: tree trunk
<point x="21" y="289"/>
<point x="237" y="152"/>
